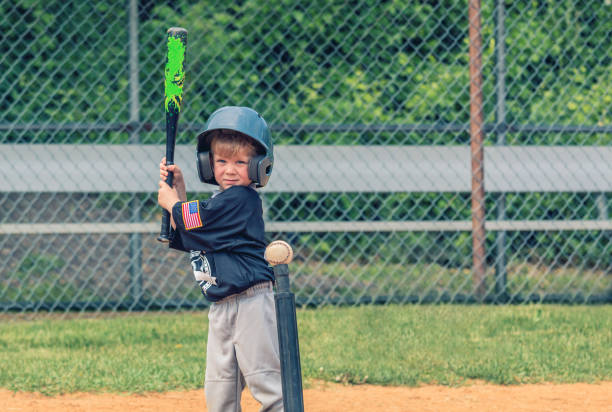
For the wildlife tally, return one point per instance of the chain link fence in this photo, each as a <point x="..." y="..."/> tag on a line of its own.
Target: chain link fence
<point x="371" y="106"/>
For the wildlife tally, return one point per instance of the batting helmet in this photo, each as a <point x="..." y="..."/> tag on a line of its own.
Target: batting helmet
<point x="248" y="122"/>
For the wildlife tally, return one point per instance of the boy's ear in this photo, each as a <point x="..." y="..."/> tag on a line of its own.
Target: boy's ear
<point x="260" y="169"/>
<point x="205" y="168"/>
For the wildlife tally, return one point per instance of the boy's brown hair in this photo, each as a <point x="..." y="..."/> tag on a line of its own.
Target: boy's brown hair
<point x="229" y="143"/>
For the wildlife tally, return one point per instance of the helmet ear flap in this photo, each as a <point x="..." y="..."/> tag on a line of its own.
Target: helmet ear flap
<point x="260" y="169"/>
<point x="205" y="169"/>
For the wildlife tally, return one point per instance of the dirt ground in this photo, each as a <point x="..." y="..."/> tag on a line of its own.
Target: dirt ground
<point x="324" y="397"/>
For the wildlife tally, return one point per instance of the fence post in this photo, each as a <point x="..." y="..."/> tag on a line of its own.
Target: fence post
<point x="602" y="206"/>
<point x="501" y="274"/>
<point x="135" y="238"/>
<point x="477" y="150"/>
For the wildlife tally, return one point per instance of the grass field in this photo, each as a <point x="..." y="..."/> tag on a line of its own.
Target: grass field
<point x="389" y="345"/>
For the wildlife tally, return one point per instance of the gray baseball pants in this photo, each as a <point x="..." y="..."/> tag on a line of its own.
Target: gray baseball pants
<point x="243" y="349"/>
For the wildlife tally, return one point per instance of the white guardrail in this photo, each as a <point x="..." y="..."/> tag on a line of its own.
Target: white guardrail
<point x="299" y="169"/>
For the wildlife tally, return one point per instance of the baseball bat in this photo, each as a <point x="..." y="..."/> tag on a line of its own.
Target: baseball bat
<point x="173" y="92"/>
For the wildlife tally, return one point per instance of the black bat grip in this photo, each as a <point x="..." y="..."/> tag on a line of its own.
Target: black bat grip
<point x="164" y="233"/>
<point x="171" y="127"/>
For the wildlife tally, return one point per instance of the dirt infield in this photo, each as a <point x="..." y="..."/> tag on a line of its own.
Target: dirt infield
<point x="327" y="397"/>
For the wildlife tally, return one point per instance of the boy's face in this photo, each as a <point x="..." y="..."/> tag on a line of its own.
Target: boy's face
<point x="232" y="169"/>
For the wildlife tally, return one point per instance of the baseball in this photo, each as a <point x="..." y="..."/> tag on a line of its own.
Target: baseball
<point x="278" y="252"/>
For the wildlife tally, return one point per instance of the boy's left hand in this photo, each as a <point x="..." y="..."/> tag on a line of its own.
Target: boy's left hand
<point x="167" y="196"/>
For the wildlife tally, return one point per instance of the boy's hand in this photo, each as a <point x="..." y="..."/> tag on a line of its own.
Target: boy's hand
<point x="167" y="196"/>
<point x="178" y="182"/>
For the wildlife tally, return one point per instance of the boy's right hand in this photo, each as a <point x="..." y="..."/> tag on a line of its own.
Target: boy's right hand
<point x="178" y="182"/>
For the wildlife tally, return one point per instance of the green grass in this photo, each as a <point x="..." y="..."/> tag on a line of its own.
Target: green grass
<point x="389" y="345"/>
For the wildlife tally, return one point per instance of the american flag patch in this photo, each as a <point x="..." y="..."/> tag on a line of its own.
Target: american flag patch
<point x="191" y="214"/>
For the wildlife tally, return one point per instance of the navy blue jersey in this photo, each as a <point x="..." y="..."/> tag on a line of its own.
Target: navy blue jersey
<point x="229" y="229"/>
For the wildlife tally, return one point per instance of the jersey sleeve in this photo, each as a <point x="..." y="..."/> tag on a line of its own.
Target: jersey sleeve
<point x="215" y="224"/>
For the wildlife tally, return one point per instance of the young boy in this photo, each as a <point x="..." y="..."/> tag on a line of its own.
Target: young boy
<point x="225" y="236"/>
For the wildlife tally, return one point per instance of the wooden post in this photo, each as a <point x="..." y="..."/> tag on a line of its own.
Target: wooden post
<point x="477" y="150"/>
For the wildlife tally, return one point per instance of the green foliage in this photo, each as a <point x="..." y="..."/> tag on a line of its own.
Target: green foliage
<point x="583" y="249"/>
<point x="334" y="63"/>
<point x="43" y="280"/>
<point x="408" y="279"/>
<point x="63" y="62"/>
